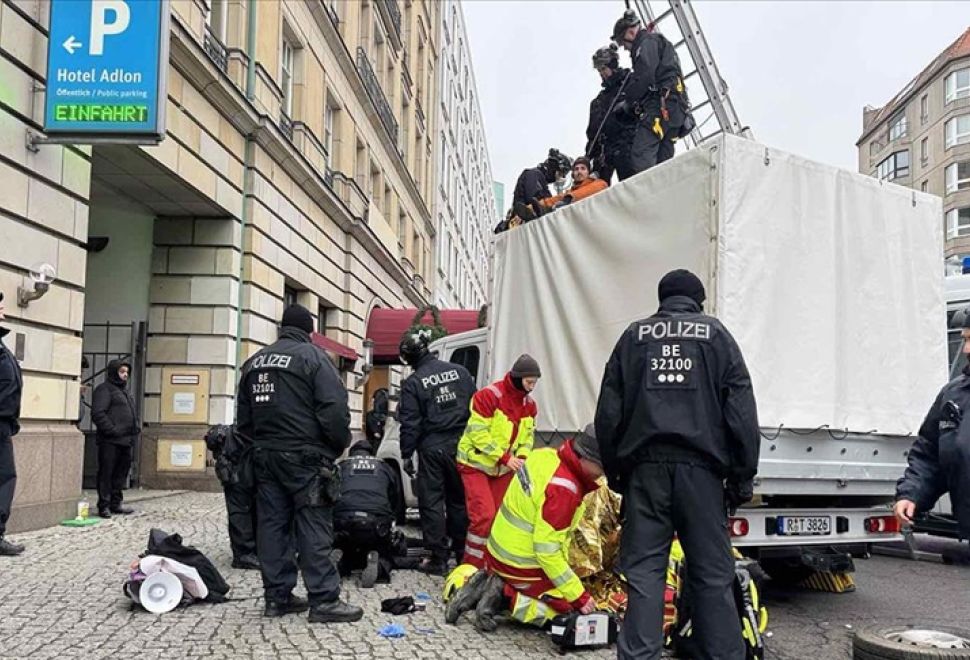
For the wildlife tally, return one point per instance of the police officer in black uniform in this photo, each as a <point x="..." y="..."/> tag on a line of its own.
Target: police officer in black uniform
<point x="364" y="516"/>
<point x="433" y="411"/>
<point x="678" y="433"/>
<point x="655" y="95"/>
<point x="939" y="461"/>
<point x="608" y="135"/>
<point x="293" y="405"/>
<point x="533" y="184"/>
<point x="234" y="467"/>
<point x="11" y="386"/>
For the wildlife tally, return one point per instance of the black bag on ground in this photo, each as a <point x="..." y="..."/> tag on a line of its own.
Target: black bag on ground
<point x="575" y="631"/>
<point x="167" y="545"/>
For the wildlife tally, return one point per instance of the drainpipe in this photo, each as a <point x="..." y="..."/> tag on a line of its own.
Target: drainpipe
<point x="248" y="176"/>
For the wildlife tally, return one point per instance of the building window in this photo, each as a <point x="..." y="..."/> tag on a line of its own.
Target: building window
<point x="376" y="187"/>
<point x="958" y="177"/>
<point x="897" y="126"/>
<point x="894" y="166"/>
<point x="924" y="109"/>
<point x="328" y="320"/>
<point x="958" y="85"/>
<point x="330" y="127"/>
<point x="286" y="74"/>
<point x="925" y="186"/>
<point x="360" y="166"/>
<point x="957" y="131"/>
<point x="216" y="19"/>
<point x="402" y="229"/>
<point x="958" y="223"/>
<point x="924" y="151"/>
<point x="289" y="296"/>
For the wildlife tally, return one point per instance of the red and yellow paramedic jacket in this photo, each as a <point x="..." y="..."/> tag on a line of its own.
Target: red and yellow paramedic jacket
<point x="502" y="425"/>
<point x="529" y="542"/>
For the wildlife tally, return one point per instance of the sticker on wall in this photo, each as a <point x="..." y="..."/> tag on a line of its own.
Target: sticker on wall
<point x="181" y="455"/>
<point x="183" y="403"/>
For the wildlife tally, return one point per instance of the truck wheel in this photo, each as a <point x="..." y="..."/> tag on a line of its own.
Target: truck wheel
<point x="911" y="643"/>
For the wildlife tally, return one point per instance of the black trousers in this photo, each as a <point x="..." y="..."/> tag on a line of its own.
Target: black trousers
<point x="357" y="536"/>
<point x="647" y="148"/>
<point x="660" y="499"/>
<point x="287" y="518"/>
<point x="114" y="462"/>
<point x="441" y="500"/>
<point x="8" y="478"/>
<point x="241" y="509"/>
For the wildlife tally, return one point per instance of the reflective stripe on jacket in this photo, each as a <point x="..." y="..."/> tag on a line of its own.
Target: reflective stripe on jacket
<point x="501" y="425"/>
<point x="529" y="541"/>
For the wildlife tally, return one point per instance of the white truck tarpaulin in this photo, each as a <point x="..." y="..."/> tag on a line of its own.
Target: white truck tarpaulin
<point x="832" y="283"/>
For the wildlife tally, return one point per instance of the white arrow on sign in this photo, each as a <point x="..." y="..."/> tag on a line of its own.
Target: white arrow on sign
<point x="71" y="44"/>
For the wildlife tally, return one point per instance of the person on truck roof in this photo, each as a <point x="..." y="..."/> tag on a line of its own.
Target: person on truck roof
<point x="654" y="97"/>
<point x="532" y="185"/>
<point x="496" y="442"/>
<point x="584" y="185"/>
<point x="678" y="432"/>
<point x="939" y="461"/>
<point x="608" y="136"/>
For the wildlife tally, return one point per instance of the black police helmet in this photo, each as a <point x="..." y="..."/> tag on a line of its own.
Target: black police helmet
<point x="606" y="57"/>
<point x="414" y="345"/>
<point x="627" y="21"/>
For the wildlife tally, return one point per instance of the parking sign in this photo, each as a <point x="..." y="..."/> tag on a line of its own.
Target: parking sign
<point x="107" y="64"/>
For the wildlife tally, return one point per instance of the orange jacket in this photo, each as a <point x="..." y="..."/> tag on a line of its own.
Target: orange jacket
<point x="578" y="191"/>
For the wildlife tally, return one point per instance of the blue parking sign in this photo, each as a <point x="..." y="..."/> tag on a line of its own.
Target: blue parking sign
<point x="107" y="63"/>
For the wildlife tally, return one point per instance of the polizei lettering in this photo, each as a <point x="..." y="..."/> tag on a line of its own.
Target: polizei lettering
<point x="673" y="329"/>
<point x="272" y="361"/>
<point x="434" y="380"/>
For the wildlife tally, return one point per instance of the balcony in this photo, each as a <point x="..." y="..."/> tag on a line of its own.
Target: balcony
<point x="376" y="94"/>
<point x="393" y="13"/>
<point x="216" y="51"/>
<point x="419" y="112"/>
<point x="286" y="125"/>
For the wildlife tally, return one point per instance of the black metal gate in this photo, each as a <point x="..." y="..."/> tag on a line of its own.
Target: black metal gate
<point x="104" y="342"/>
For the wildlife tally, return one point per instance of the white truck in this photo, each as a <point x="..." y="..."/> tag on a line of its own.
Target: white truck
<point x="831" y="282"/>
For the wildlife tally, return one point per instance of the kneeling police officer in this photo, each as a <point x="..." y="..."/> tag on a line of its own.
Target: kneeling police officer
<point x="293" y="405"/>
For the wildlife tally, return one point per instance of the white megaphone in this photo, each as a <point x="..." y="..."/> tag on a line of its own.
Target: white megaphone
<point x="160" y="593"/>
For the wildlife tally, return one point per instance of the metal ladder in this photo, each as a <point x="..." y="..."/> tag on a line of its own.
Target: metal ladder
<point x="714" y="112"/>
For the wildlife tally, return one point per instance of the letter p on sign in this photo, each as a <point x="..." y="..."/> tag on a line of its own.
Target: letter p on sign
<point x="100" y="26"/>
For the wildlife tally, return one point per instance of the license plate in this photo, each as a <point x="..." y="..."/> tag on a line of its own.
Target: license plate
<point x="804" y="525"/>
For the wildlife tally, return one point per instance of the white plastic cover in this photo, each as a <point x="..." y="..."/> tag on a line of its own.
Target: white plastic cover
<point x="831" y="282"/>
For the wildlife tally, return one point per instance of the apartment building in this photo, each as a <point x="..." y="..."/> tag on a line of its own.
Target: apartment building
<point x="297" y="166"/>
<point x="464" y="199"/>
<point x="921" y="139"/>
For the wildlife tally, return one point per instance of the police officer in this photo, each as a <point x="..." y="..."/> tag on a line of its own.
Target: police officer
<point x="293" y="405"/>
<point x="608" y="135"/>
<point x="678" y="433"/>
<point x="939" y="461"/>
<point x="655" y="94"/>
<point x="234" y="468"/>
<point x="364" y="516"/>
<point x="11" y="386"/>
<point x="433" y="411"/>
<point x="533" y="183"/>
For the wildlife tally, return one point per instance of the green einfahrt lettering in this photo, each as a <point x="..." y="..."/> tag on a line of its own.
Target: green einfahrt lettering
<point x="88" y="112"/>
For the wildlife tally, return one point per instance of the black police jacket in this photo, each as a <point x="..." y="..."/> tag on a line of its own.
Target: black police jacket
<point x="11" y="388"/>
<point x="291" y="398"/>
<point x="939" y="461"/>
<point x="530" y="185"/>
<point x="435" y="404"/>
<point x="614" y="130"/>
<point x="676" y="389"/>
<point x="113" y="409"/>
<point x="655" y="67"/>
<point x="367" y="485"/>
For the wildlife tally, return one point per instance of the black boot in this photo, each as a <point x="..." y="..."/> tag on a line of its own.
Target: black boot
<point x="104" y="513"/>
<point x="246" y="562"/>
<point x="335" y="612"/>
<point x="8" y="549"/>
<point x="294" y="605"/>
<point x="490" y="604"/>
<point x="466" y="598"/>
<point x="433" y="566"/>
<point x="122" y="510"/>
<point x="368" y="576"/>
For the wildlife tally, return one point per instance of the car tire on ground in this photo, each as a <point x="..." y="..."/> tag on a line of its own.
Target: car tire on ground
<point x="911" y="642"/>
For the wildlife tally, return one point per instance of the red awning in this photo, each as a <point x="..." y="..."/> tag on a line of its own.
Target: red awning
<point x="334" y="346"/>
<point x="386" y="326"/>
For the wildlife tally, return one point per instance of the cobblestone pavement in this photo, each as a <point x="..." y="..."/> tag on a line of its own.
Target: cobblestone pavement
<point x="63" y="599"/>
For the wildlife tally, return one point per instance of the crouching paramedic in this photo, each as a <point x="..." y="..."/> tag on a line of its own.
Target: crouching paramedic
<point x="495" y="444"/>
<point x="528" y="547"/>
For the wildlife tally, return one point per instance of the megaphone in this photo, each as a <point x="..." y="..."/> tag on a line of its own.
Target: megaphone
<point x="160" y="593"/>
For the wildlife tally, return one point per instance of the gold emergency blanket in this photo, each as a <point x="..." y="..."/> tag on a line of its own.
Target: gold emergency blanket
<point x="595" y="546"/>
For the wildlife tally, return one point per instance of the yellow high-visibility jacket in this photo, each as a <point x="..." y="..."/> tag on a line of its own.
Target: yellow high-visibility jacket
<point x="501" y="425"/>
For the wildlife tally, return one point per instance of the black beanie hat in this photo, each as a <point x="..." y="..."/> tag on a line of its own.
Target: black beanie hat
<point x="298" y="316"/>
<point x="681" y="283"/>
<point x="586" y="446"/>
<point x="525" y="367"/>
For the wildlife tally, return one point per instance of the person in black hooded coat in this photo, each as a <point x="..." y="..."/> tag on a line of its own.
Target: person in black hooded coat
<point x="114" y="414"/>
